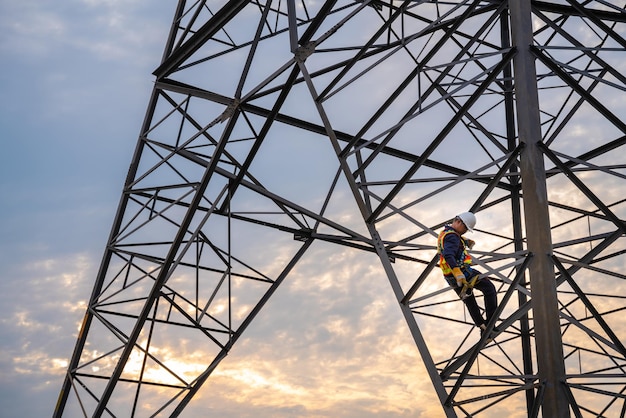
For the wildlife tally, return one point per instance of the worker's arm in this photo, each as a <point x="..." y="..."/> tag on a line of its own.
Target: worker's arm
<point x="469" y="243"/>
<point x="451" y="246"/>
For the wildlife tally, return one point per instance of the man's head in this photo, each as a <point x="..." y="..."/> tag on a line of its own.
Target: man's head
<point x="464" y="222"/>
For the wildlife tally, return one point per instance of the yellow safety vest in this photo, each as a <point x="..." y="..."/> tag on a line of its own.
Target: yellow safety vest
<point x="445" y="267"/>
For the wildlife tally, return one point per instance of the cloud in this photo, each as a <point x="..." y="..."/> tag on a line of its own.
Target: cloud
<point x="330" y="342"/>
<point x="41" y="306"/>
<point x="342" y="352"/>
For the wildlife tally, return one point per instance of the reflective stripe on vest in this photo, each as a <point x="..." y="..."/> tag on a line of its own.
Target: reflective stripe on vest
<point x="465" y="257"/>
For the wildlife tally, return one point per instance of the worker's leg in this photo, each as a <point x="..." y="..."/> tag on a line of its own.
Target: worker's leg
<point x="490" y="295"/>
<point x="474" y="310"/>
<point x="470" y="303"/>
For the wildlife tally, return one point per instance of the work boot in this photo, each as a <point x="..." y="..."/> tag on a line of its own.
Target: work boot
<point x="483" y="328"/>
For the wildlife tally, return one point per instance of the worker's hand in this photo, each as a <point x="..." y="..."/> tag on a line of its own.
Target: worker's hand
<point x="469" y="243"/>
<point x="459" y="276"/>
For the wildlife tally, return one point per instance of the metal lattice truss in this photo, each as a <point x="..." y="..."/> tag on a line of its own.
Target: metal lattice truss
<point x="275" y="125"/>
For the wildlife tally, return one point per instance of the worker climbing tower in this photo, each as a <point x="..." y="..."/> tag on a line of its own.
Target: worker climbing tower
<point x="276" y="125"/>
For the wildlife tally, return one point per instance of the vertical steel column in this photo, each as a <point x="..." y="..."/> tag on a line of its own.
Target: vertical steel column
<point x="550" y="361"/>
<point x="516" y="207"/>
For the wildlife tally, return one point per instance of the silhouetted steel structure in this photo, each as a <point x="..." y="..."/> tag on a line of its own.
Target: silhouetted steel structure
<point x="415" y="110"/>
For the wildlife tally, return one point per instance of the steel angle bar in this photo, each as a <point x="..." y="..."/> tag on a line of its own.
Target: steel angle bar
<point x="191" y="156"/>
<point x="125" y="233"/>
<point x="582" y="240"/>
<point x="346" y="242"/>
<point x="512" y="158"/>
<point x="390" y="132"/>
<point x="596" y="214"/>
<point x="440" y="225"/>
<point x="198" y="38"/>
<point x="455" y="179"/>
<point x="254" y="46"/>
<point x="420" y="280"/>
<point x="453" y="299"/>
<point x="442" y="135"/>
<point x="94" y="360"/>
<point x="243" y="326"/>
<point x="590" y="74"/>
<point x="196" y="324"/>
<point x="507" y="75"/>
<point x="606" y="372"/>
<point x="485" y="177"/>
<point x="279" y="200"/>
<point x="548" y="62"/>
<point x="591" y="15"/>
<point x="416" y="333"/>
<point x="90" y="393"/>
<point x="583" y="48"/>
<point x="592" y="167"/>
<point x="168" y="84"/>
<point x="115" y="331"/>
<point x="349" y="64"/>
<point x="160" y="280"/>
<point x="597" y="316"/>
<point x="537" y="401"/>
<point x="293" y="24"/>
<point x="320" y="72"/>
<point x="163" y="161"/>
<point x="415" y="307"/>
<point x="616" y="16"/>
<point x="494" y="180"/>
<point x="264" y="131"/>
<point x="176" y="107"/>
<point x="578" y="46"/>
<point x="502" y="394"/>
<point x="605" y="68"/>
<point x="588" y="388"/>
<point x="518" y="258"/>
<point x="518" y="263"/>
<point x="410" y="114"/>
<point x="583" y="188"/>
<point x="474" y="351"/>
<point x="566" y="119"/>
<point x="608" y="168"/>
<point x="591" y="333"/>
<point x="589" y="264"/>
<point x="486" y="257"/>
<point x="299" y="209"/>
<point x="474" y="120"/>
<point x="609" y="256"/>
<point x="571" y="400"/>
<point x="176" y="86"/>
<point x="317" y="22"/>
<point x="102" y="271"/>
<point x="446" y="373"/>
<point x="590" y="255"/>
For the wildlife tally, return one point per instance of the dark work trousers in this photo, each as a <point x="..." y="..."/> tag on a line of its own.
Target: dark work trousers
<point x="488" y="290"/>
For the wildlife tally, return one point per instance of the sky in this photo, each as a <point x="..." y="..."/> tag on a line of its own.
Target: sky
<point x="75" y="83"/>
<point x="76" y="80"/>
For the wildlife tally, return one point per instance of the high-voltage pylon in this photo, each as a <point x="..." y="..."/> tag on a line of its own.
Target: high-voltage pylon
<point x="271" y="120"/>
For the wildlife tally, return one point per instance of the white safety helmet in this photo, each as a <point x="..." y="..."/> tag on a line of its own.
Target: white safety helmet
<point x="469" y="219"/>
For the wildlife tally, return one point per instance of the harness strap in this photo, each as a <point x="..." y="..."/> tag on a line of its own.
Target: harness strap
<point x="469" y="285"/>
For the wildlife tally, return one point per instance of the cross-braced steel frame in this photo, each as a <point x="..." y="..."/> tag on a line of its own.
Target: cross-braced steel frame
<point x="271" y="120"/>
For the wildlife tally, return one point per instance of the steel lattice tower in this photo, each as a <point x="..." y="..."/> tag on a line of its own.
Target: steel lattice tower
<point x="410" y="110"/>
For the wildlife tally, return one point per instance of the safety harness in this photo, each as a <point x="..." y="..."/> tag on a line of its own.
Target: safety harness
<point x="464" y="262"/>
